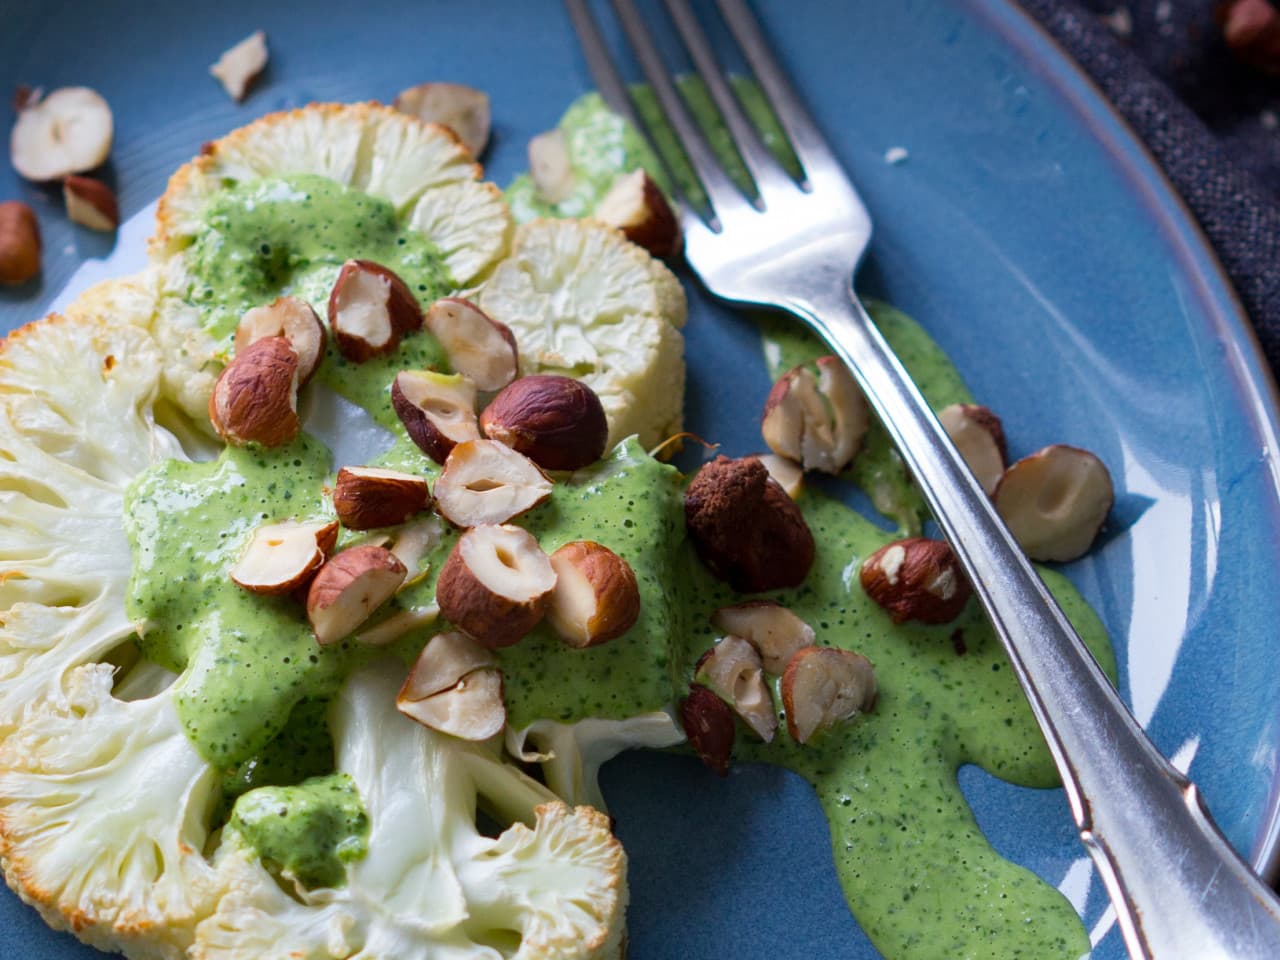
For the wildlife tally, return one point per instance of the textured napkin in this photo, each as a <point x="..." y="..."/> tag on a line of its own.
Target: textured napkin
<point x="1210" y="120"/>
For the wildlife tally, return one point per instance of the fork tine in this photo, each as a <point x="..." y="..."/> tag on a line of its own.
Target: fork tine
<point x="607" y="79"/>
<point x="809" y="145"/>
<point x="764" y="168"/>
<point x="724" y="196"/>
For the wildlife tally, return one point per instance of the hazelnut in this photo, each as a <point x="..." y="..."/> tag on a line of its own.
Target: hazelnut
<point x="557" y="422"/>
<point x="769" y="627"/>
<point x="819" y="422"/>
<point x="293" y="319"/>
<point x="1251" y="30"/>
<point x="550" y="167"/>
<point x="90" y="203"/>
<point x="484" y="481"/>
<point x="708" y="723"/>
<point x="788" y="474"/>
<point x="455" y="687"/>
<point x="596" y="598"/>
<point x="255" y="399"/>
<point x="637" y="206"/>
<point x="823" y="686"/>
<point x="19" y="243"/>
<point x="369" y="497"/>
<point x="281" y="557"/>
<point x="1055" y="501"/>
<point x="733" y="671"/>
<point x="370" y="309"/>
<point x="916" y="579"/>
<point x="240" y="65"/>
<point x="496" y="584"/>
<point x="69" y="131"/>
<point x="438" y="410"/>
<point x="349" y="588"/>
<point x="979" y="436"/>
<point x="463" y="109"/>
<point x="479" y="347"/>
<point x="745" y="528"/>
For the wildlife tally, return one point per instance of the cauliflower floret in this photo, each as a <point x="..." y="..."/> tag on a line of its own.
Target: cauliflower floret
<point x="571" y="754"/>
<point x="104" y="810"/>
<point x="432" y="886"/>
<point x="75" y="427"/>
<point x="584" y="302"/>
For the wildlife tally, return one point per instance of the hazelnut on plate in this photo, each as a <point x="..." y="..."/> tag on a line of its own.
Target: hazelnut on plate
<point x="255" y="398"/>
<point x="463" y="109"/>
<point x="709" y="725"/>
<point x="349" y="588"/>
<point x="1055" y="501"/>
<point x="19" y="243"/>
<point x="370" y="310"/>
<point x="596" y="598"/>
<point x="484" y="481"/>
<point x="819" y="422"/>
<point x="455" y="687"/>
<point x="438" y="410"/>
<point x="557" y="422"/>
<point x="823" y="686"/>
<point x="496" y="584"/>
<point x="979" y="436"/>
<point x="733" y="671"/>
<point x="745" y="528"/>
<point x="916" y="579"/>
<point x="365" y="498"/>
<point x="293" y="319"/>
<point x="281" y="557"/>
<point x="769" y="627"/>
<point x="479" y="347"/>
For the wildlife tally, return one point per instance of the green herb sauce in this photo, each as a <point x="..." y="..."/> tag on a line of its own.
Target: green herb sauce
<point x="920" y="877"/>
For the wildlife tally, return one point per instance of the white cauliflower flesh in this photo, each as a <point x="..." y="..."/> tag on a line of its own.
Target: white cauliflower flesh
<point x="432" y="887"/>
<point x="586" y="303"/>
<point x="421" y="168"/>
<point x="76" y="426"/>
<point x="104" y="808"/>
<point x="571" y="754"/>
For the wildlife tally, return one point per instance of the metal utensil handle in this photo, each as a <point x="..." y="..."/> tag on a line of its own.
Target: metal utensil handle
<point x="1181" y="892"/>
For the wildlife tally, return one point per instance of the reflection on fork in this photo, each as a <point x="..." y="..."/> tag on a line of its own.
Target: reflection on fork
<point x="1179" y="889"/>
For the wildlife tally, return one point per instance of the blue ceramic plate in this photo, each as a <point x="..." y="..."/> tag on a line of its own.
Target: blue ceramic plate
<point x="1029" y="232"/>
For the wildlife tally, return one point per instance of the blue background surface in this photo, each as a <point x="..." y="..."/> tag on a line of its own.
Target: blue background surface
<point x="1026" y="231"/>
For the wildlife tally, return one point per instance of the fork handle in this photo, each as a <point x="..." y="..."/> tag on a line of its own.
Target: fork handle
<point x="1179" y="889"/>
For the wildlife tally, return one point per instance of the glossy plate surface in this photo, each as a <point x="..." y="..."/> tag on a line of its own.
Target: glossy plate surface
<point x="1026" y="229"/>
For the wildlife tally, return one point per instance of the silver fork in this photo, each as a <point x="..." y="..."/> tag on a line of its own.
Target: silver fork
<point x="1179" y="889"/>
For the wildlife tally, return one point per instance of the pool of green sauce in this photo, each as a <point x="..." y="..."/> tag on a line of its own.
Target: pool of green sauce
<point x="919" y="876"/>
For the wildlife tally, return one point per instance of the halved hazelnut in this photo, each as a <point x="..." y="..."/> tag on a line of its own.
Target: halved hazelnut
<point x="745" y="529"/>
<point x="349" y="588"/>
<point x="438" y="410"/>
<point x="291" y="318"/>
<point x="636" y="205"/>
<point x="788" y="474"/>
<point x="557" y="422"/>
<point x="69" y="131"/>
<point x="370" y="309"/>
<point x="550" y="167"/>
<point x="240" y="65"/>
<point x="484" y="481"/>
<point x="596" y="598"/>
<point x="19" y="243"/>
<point x="1055" y="501"/>
<point x="478" y="346"/>
<point x="819" y="422"/>
<point x="916" y="579"/>
<point x="473" y="709"/>
<point x="979" y="436"/>
<point x="255" y="398"/>
<point x="733" y="671"/>
<point x="709" y="725"/>
<point x="281" y="557"/>
<point x="463" y="109"/>
<point x="823" y="686"/>
<point x="90" y="203"/>
<point x="365" y="498"/>
<point x="413" y="542"/>
<point x="455" y="687"/>
<point x="769" y="627"/>
<point x="496" y="584"/>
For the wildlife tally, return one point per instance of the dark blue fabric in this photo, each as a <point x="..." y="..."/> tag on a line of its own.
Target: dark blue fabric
<point x="1211" y="121"/>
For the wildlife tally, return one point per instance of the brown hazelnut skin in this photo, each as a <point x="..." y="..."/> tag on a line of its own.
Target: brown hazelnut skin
<point x="710" y="726"/>
<point x="19" y="243"/>
<point x="916" y="579"/>
<point x="253" y="399"/>
<point x="557" y="422"/>
<point x="745" y="528"/>
<point x="493" y="622"/>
